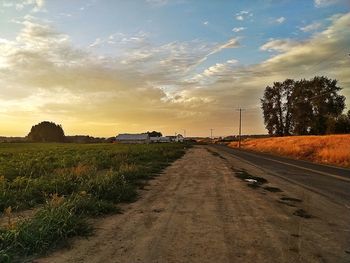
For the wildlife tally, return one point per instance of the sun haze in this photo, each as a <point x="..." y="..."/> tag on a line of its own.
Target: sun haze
<point x="108" y="67"/>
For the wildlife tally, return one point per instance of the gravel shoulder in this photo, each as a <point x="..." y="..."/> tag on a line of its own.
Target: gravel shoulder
<point x="198" y="210"/>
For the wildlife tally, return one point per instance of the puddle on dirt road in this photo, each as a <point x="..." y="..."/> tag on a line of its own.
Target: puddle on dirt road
<point x="302" y="213"/>
<point x="291" y="199"/>
<point x="256" y="182"/>
<point x="273" y="189"/>
<point x="285" y="203"/>
<point x="243" y="175"/>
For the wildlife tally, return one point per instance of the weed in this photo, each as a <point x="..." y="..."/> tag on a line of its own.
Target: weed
<point x="49" y="227"/>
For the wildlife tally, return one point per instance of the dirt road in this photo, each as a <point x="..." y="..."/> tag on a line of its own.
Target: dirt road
<point x="198" y="210"/>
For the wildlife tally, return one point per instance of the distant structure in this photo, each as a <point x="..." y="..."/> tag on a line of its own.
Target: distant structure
<point x="177" y="138"/>
<point x="145" y="138"/>
<point x="133" y="138"/>
<point x="162" y="139"/>
<point x="12" y="139"/>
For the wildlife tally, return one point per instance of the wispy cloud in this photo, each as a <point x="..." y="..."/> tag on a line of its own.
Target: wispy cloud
<point x="280" y="20"/>
<point x="324" y="3"/>
<point x="231" y="43"/>
<point x="280" y="45"/>
<point x="36" y="5"/>
<point x="243" y="15"/>
<point x="238" y="29"/>
<point x="311" y="27"/>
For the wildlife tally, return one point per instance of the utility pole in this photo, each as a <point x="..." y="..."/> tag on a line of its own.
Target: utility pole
<point x="240" y="127"/>
<point x="184" y="133"/>
<point x="211" y="133"/>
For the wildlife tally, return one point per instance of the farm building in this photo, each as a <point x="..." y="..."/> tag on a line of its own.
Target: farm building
<point x="160" y="139"/>
<point x="177" y="138"/>
<point x="133" y="138"/>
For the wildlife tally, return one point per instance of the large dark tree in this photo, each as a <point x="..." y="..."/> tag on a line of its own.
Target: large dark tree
<point x="341" y="124"/>
<point x="46" y="132"/>
<point x="316" y="104"/>
<point x="277" y="107"/>
<point x="302" y="107"/>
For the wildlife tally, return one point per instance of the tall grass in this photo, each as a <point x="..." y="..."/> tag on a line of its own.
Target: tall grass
<point x="69" y="182"/>
<point x="328" y="149"/>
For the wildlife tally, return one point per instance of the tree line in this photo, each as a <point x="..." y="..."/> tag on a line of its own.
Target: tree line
<point x="47" y="131"/>
<point x="305" y="107"/>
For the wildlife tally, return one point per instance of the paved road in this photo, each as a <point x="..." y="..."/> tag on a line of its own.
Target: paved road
<point x="329" y="181"/>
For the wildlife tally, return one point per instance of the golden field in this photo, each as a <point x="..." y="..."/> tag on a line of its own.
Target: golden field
<point x="327" y="149"/>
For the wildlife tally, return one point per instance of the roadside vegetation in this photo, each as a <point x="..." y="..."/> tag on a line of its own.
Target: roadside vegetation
<point x="328" y="149"/>
<point x="66" y="184"/>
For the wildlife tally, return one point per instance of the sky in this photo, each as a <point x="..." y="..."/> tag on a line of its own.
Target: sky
<point x="103" y="67"/>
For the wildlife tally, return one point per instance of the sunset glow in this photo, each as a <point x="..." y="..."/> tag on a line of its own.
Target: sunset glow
<point x="107" y="67"/>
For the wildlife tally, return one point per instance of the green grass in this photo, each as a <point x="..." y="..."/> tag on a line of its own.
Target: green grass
<point x="69" y="182"/>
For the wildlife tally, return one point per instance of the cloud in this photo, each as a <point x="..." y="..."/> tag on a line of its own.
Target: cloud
<point x="324" y="53"/>
<point x="324" y="3"/>
<point x="312" y="27"/>
<point x="37" y="5"/>
<point x="279" y="45"/>
<point x="231" y="43"/>
<point x="143" y="86"/>
<point x="280" y="20"/>
<point x="243" y="15"/>
<point x="205" y="23"/>
<point x="238" y="29"/>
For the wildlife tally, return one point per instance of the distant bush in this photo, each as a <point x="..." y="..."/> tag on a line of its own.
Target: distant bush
<point x="46" y="132"/>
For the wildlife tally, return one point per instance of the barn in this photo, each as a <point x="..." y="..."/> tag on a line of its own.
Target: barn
<point x="132" y="138"/>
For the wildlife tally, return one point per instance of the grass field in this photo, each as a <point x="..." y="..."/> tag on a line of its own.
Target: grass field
<point x="66" y="184"/>
<point x="328" y="149"/>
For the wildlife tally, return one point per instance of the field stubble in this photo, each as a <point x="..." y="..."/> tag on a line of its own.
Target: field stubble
<point x="328" y="149"/>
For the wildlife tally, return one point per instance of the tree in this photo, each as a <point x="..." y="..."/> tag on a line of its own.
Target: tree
<point x="302" y="107"/>
<point x="326" y="103"/>
<point x="277" y="107"/>
<point x="46" y="132"/>
<point x="342" y="124"/>
<point x="154" y="134"/>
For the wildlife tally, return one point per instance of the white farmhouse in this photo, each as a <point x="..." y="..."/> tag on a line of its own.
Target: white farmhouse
<point x="177" y="138"/>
